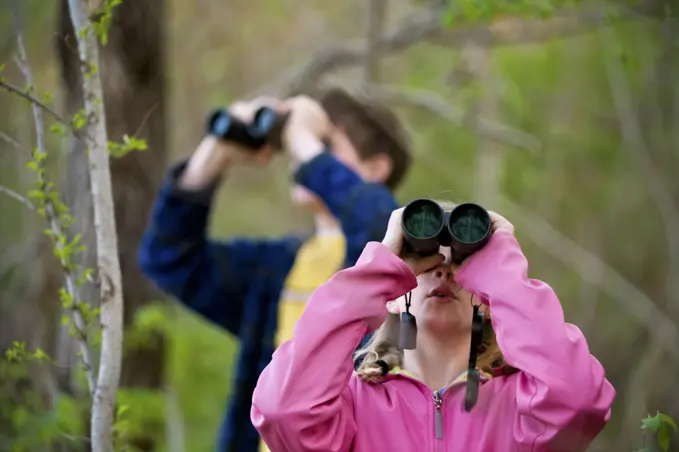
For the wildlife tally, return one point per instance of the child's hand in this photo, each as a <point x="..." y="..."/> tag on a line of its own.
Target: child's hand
<point x="498" y="223"/>
<point x="213" y="156"/>
<point x="245" y="111"/>
<point x="393" y="239"/>
<point x="306" y="128"/>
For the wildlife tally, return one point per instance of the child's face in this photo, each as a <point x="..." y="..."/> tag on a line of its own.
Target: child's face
<point x="343" y="150"/>
<point x="438" y="303"/>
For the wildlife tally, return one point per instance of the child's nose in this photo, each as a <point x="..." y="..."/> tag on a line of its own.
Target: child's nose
<point x="444" y="272"/>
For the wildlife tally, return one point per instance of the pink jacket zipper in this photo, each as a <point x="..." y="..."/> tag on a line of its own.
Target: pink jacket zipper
<point x="438" y="400"/>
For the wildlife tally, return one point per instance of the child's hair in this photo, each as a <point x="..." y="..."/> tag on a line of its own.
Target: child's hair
<point x="372" y="128"/>
<point x="383" y="346"/>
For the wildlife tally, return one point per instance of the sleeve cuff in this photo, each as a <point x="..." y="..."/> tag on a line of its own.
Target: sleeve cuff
<point x="490" y="263"/>
<point x="201" y="196"/>
<point x="323" y="171"/>
<point x="181" y="213"/>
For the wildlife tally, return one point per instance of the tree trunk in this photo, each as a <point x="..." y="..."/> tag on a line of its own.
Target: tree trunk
<point x="132" y="70"/>
<point x="489" y="153"/>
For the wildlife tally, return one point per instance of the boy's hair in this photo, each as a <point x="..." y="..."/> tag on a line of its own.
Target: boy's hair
<point x="372" y="128"/>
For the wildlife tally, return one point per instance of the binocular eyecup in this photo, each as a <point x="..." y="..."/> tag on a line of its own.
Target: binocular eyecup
<point x="426" y="227"/>
<point x="265" y="128"/>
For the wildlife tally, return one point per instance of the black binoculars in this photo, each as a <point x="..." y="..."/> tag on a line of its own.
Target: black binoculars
<point x="426" y="227"/>
<point x="265" y="128"/>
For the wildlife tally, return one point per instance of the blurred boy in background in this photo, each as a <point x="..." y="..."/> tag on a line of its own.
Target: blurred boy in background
<point x="348" y="156"/>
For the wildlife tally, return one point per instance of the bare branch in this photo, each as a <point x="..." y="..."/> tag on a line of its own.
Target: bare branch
<point x="635" y="143"/>
<point x="489" y="156"/>
<point x="376" y="16"/>
<point x="50" y="210"/>
<point x="595" y="271"/>
<point x="431" y="102"/>
<point x="22" y="199"/>
<point x="427" y="26"/>
<point x="11" y="141"/>
<point x="592" y="269"/>
<point x="14" y="255"/>
<point x="303" y="77"/>
<point x="643" y="370"/>
<point x="516" y="30"/>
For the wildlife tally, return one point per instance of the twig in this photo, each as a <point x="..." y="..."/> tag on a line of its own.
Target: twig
<point x="11" y="141"/>
<point x="429" y="101"/>
<point x="145" y="119"/>
<point x="33" y="100"/>
<point x="77" y="439"/>
<point x="30" y="96"/>
<point x="50" y="210"/>
<point x="22" y="199"/>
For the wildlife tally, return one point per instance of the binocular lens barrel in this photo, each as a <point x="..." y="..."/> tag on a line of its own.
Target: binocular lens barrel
<point x="426" y="227"/>
<point x="265" y="128"/>
<point x="268" y="124"/>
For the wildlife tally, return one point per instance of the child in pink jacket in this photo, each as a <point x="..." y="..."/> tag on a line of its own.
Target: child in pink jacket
<point x="541" y="390"/>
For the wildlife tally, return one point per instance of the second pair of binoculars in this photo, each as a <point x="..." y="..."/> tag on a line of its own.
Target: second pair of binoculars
<point x="427" y="226"/>
<point x="265" y="128"/>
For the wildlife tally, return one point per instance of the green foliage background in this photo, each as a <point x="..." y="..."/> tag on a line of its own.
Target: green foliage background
<point x="581" y="180"/>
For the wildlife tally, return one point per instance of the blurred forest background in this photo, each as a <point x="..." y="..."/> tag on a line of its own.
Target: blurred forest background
<point x="560" y="115"/>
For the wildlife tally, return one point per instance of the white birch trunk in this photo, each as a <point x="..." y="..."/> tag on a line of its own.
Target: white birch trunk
<point x="108" y="265"/>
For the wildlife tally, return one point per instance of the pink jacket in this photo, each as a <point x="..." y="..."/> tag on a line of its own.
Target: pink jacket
<point x="308" y="398"/>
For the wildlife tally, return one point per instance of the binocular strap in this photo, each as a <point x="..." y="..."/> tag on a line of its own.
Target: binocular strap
<point x="407" y="339"/>
<point x="473" y="375"/>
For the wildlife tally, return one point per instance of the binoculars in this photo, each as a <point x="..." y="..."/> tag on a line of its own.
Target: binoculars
<point x="265" y="128"/>
<point x="426" y="227"/>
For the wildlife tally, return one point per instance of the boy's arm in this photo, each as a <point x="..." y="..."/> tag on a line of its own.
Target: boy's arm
<point x="362" y="208"/>
<point x="209" y="277"/>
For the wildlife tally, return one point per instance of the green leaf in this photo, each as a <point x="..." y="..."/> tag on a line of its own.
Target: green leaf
<point x="36" y="194"/>
<point x="663" y="437"/>
<point x="667" y="420"/>
<point x="40" y="354"/>
<point x="121" y="410"/>
<point x="58" y="129"/>
<point x="651" y="423"/>
<point x="79" y="120"/>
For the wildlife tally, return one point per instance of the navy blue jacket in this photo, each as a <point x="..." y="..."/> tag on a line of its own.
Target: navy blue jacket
<point x="237" y="283"/>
